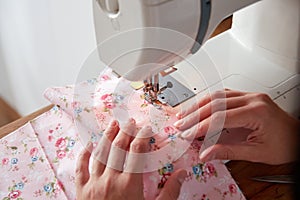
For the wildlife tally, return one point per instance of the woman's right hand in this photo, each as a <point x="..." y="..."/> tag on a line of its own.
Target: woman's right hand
<point x="274" y="136"/>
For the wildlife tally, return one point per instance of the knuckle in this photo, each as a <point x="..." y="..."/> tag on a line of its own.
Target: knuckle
<point x="200" y="129"/>
<point x="129" y="127"/>
<point x="78" y="170"/>
<point x="225" y="154"/>
<point x="193" y="119"/>
<point x="217" y="116"/>
<point x="138" y="146"/>
<point x="260" y="107"/>
<point x="109" y="134"/>
<point x="119" y="144"/>
<point x="262" y="97"/>
<point x="91" y="193"/>
<point x="218" y="104"/>
<point x="126" y="184"/>
<point x="100" y="154"/>
<point x="218" y="94"/>
<point x="107" y="184"/>
<point x="206" y="97"/>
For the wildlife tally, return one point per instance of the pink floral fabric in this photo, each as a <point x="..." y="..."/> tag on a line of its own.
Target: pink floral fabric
<point x="26" y="172"/>
<point x="39" y="159"/>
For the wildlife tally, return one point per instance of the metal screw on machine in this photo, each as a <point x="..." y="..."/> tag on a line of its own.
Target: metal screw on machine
<point x="186" y="95"/>
<point x="169" y="85"/>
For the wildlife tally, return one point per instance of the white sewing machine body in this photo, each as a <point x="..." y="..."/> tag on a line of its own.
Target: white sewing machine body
<point x="259" y="53"/>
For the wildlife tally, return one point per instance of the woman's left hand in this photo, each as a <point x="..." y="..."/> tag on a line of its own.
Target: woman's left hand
<point x="108" y="178"/>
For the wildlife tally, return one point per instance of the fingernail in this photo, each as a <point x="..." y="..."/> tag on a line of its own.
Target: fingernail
<point x="114" y="123"/>
<point x="178" y="123"/>
<point x="131" y="120"/>
<point x="179" y="115"/>
<point x="186" y="134"/>
<point x="182" y="176"/>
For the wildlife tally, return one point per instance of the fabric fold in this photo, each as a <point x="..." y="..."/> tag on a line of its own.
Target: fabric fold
<point x="25" y="170"/>
<point x="39" y="159"/>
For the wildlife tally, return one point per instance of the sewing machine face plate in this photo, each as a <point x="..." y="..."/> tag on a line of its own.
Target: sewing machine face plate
<point x="175" y="93"/>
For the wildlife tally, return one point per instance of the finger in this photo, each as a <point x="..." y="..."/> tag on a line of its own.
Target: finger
<point x="137" y="157"/>
<point x="206" y="111"/>
<point x="230" y="152"/>
<point x="101" y="152"/>
<point x="192" y="133"/>
<point x="239" y="117"/>
<point x="82" y="168"/>
<point x="120" y="146"/>
<point x="208" y="98"/>
<point x="172" y="187"/>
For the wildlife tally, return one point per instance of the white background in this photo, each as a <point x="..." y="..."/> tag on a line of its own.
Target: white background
<point x="43" y="43"/>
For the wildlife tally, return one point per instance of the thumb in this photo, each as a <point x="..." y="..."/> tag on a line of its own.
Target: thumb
<point x="229" y="152"/>
<point x="172" y="187"/>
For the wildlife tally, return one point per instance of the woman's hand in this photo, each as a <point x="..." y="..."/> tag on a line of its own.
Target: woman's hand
<point x="273" y="137"/>
<point x="108" y="178"/>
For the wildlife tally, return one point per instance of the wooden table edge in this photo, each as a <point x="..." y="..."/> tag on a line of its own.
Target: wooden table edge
<point x="8" y="128"/>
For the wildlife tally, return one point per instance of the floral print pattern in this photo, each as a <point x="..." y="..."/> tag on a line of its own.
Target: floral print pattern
<point x="39" y="159"/>
<point x="24" y="167"/>
<point x="15" y="191"/>
<point x="63" y="147"/>
<point x="165" y="172"/>
<point x="53" y="188"/>
<point x="204" y="171"/>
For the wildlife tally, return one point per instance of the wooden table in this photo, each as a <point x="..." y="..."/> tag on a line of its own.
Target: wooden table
<point x="241" y="171"/>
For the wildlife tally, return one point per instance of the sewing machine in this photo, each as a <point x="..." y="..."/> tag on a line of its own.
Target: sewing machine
<point x="165" y="44"/>
<point x="257" y="54"/>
